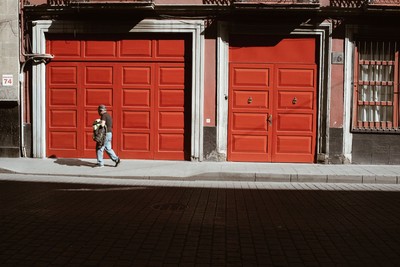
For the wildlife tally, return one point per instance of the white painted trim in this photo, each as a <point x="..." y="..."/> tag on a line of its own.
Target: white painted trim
<point x="38" y="96"/>
<point x="348" y="92"/>
<point x="194" y="27"/>
<point x="322" y="31"/>
<point x="222" y="87"/>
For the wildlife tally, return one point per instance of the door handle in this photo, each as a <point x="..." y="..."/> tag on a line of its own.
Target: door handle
<point x="269" y="119"/>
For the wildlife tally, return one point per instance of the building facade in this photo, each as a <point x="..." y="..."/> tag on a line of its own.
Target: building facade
<point x="302" y="81"/>
<point x="9" y="87"/>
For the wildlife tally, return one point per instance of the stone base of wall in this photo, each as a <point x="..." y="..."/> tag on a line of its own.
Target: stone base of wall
<point x="210" y="152"/>
<point x="376" y="149"/>
<point x="336" y="146"/>
<point x="9" y="129"/>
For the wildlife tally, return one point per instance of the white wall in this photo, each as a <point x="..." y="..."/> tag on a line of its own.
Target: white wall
<point x="9" y="49"/>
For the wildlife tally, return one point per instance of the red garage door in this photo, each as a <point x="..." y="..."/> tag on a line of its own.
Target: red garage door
<point x="141" y="81"/>
<point x="272" y="107"/>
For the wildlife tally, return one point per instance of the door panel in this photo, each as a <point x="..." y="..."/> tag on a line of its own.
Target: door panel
<point x="294" y="130"/>
<point x="249" y="108"/>
<point x="295" y="100"/>
<point x="254" y="77"/>
<point x="100" y="48"/>
<point x="169" y="108"/>
<point x="271" y="49"/>
<point x="295" y="77"/>
<point x="294" y="122"/>
<point x="253" y="121"/>
<point x="292" y="145"/>
<point x="136" y="142"/>
<point x="258" y="99"/>
<point x="66" y="141"/>
<point x="136" y="117"/>
<point x="96" y="86"/>
<point x="252" y="145"/>
<point x="62" y="115"/>
<point x="272" y="112"/>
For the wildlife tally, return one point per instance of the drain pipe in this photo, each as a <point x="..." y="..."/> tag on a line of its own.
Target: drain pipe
<point x="39" y="58"/>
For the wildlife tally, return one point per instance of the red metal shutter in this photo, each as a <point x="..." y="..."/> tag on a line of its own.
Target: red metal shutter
<point x="143" y="83"/>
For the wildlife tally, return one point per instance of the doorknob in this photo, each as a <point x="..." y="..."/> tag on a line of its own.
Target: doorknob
<point x="294" y="101"/>
<point x="269" y="119"/>
<point x="249" y="100"/>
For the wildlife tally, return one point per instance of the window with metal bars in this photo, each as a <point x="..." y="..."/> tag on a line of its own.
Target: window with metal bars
<point x="375" y="105"/>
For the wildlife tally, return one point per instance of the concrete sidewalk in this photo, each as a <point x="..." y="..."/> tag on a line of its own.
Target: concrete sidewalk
<point x="219" y="171"/>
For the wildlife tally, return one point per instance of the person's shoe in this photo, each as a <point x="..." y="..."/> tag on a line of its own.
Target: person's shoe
<point x="117" y="162"/>
<point x="98" y="166"/>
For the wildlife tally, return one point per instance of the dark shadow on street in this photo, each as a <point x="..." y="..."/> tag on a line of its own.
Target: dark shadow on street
<point x="74" y="162"/>
<point x="48" y="224"/>
<point x="5" y="171"/>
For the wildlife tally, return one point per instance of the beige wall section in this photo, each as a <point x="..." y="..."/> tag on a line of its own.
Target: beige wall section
<point x="337" y="83"/>
<point x="171" y="2"/>
<point x="9" y="52"/>
<point x="209" y="82"/>
<point x="325" y="2"/>
<point x="160" y="2"/>
<point x="180" y="2"/>
<point x="37" y="2"/>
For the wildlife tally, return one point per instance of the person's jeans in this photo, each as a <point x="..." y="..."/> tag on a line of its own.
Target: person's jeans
<point x="107" y="147"/>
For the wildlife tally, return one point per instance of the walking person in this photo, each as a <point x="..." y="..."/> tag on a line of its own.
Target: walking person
<point x="107" y="123"/>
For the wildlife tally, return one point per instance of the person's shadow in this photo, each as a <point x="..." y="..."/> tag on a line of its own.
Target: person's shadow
<point x="74" y="162"/>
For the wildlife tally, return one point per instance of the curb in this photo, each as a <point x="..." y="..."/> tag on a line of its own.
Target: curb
<point x="240" y="177"/>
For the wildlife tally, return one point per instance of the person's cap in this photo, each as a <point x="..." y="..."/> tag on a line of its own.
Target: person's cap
<point x="102" y="108"/>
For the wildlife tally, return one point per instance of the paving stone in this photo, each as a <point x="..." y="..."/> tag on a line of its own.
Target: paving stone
<point x="234" y="223"/>
<point x="272" y="177"/>
<point x="369" y="179"/>
<point x="345" y="178"/>
<point x="313" y="178"/>
<point x="386" y="179"/>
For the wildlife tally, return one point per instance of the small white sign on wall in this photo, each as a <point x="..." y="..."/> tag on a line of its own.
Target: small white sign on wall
<point x="7" y="80"/>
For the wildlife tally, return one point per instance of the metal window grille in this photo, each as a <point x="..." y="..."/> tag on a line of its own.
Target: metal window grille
<point x="375" y="96"/>
<point x="278" y="1"/>
<point x="384" y="2"/>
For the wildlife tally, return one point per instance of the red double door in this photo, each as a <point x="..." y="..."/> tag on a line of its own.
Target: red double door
<point x="272" y="101"/>
<point x="142" y="83"/>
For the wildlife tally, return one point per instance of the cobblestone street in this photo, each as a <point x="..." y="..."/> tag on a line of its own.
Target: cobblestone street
<point x="227" y="224"/>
